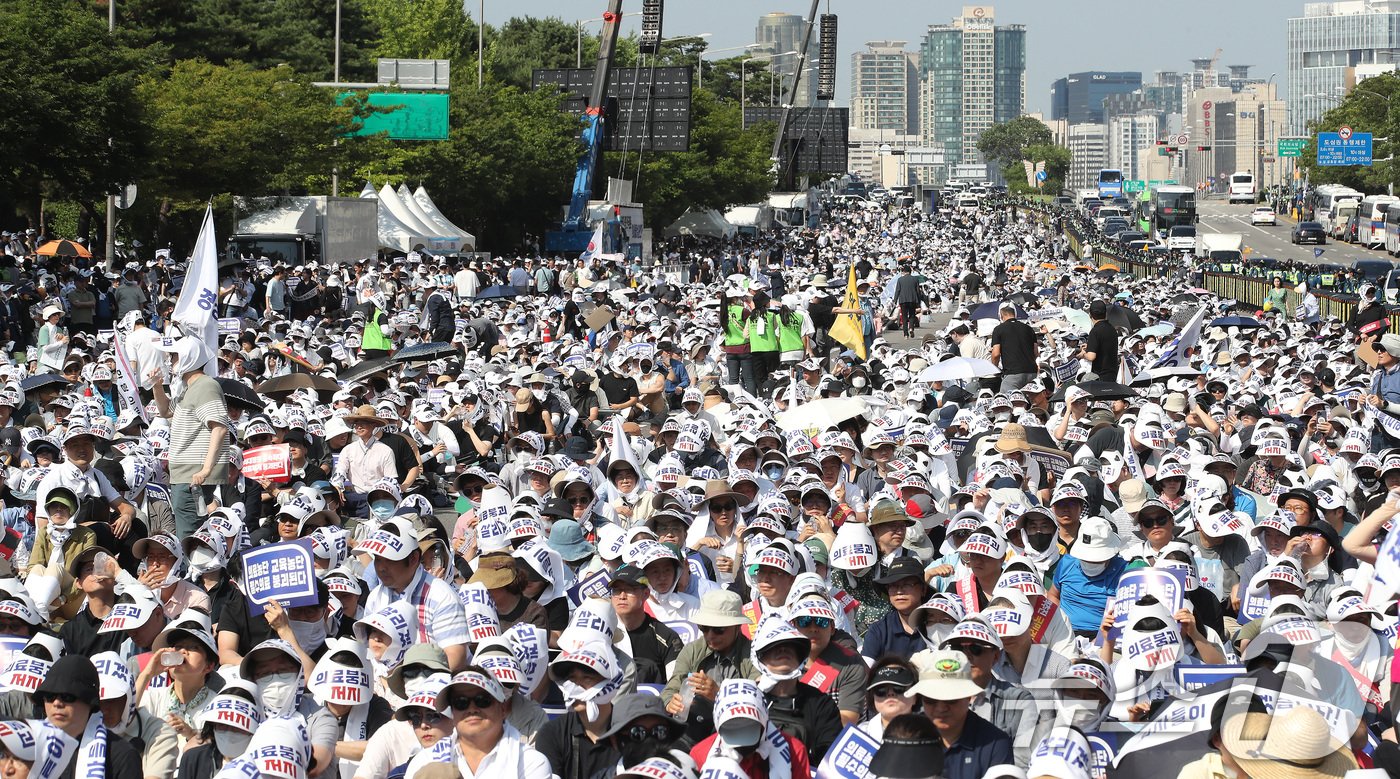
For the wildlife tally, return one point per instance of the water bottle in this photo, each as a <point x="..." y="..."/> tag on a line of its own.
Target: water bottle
<point x="687" y="698"/>
<point x="103" y="565"/>
<point x="171" y="658"/>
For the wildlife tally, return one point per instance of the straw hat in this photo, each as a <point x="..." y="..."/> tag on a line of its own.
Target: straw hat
<point x="364" y="414"/>
<point x="1013" y="439"/>
<point x="1291" y="745"/>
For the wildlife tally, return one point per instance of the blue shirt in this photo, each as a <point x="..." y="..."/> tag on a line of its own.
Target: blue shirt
<point x="682" y="376"/>
<point x="1244" y="502"/>
<point x="1083" y="599"/>
<point x="888" y="637"/>
<point x="980" y="747"/>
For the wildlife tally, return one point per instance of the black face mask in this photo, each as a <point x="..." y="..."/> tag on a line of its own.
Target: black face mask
<point x="634" y="752"/>
<point x="1040" y="541"/>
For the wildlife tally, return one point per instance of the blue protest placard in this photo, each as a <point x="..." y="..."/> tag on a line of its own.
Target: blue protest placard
<point x="284" y="572"/>
<point x="1194" y="677"/>
<point x="1343" y="148"/>
<point x="597" y="585"/>
<point x="849" y="756"/>
<point x="1167" y="585"/>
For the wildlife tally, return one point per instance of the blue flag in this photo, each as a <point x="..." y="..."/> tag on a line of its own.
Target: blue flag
<point x="1317" y="252"/>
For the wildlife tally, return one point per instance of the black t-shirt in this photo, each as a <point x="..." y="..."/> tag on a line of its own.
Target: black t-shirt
<point x="405" y="453"/>
<point x="653" y="646"/>
<point x="80" y="636"/>
<point x="618" y="389"/>
<point x="820" y="312"/>
<point x="234" y="618"/>
<point x="1103" y="342"/>
<point x="1017" y="341"/>
<point x="484" y="430"/>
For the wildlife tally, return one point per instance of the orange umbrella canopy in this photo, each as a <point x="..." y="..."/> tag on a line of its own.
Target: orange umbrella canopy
<point x="64" y="248"/>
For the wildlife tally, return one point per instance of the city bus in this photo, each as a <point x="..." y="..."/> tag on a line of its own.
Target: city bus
<point x="1242" y="188"/>
<point x="1318" y="207"/>
<point x="1370" y="219"/>
<point x="1170" y="205"/>
<point x="1110" y="183"/>
<point x="1392" y="231"/>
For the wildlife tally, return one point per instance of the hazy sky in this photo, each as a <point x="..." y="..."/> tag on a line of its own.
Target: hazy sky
<point x="1062" y="35"/>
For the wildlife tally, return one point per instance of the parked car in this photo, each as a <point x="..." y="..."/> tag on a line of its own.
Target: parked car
<point x="1263" y="215"/>
<point x="1309" y="232"/>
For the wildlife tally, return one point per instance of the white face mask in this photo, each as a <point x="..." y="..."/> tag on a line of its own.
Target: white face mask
<point x="203" y="559"/>
<point x="1093" y="570"/>
<point x="278" y="692"/>
<point x="540" y="395"/>
<point x="231" y="744"/>
<point x="309" y="635"/>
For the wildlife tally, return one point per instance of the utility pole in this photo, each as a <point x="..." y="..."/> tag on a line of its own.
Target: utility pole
<point x="111" y="237"/>
<point x="335" y="171"/>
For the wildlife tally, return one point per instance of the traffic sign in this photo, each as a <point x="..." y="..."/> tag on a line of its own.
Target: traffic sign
<point x="1183" y="139"/>
<point x="1161" y="182"/>
<point x="1134" y="185"/>
<point x="1041" y="175"/>
<point x="1334" y="150"/>
<point x="1344" y="132"/>
<point x="1291" y="147"/>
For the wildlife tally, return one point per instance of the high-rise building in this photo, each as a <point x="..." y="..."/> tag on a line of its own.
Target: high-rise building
<point x="885" y="88"/>
<point x="1089" y="154"/>
<point x="1331" y="47"/>
<point x="778" y="33"/>
<point x="1078" y="98"/>
<point x="1130" y="139"/>
<point x="972" y="76"/>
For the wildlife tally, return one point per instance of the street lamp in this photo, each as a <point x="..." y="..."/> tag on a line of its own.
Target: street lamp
<point x="743" y="81"/>
<point x="578" y="28"/>
<point x="700" y="74"/>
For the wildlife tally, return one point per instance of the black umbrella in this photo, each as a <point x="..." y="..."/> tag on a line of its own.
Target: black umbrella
<point x="1099" y="390"/>
<point x="499" y="291"/>
<point x="365" y="369"/>
<point x="236" y="393"/>
<point x="1236" y="321"/>
<point x="288" y="383"/>
<point x="1126" y="318"/>
<point x="42" y="380"/>
<point x="1021" y="297"/>
<point x="1106" y="273"/>
<point x="425" y="352"/>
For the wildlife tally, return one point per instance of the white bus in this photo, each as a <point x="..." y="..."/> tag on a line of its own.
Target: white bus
<point x="1370" y="219"/>
<point x="1322" y="200"/>
<point x="1242" y="188"/>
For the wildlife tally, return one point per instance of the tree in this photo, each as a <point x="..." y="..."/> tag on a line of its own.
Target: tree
<point x="422" y="29"/>
<point x="1005" y="144"/>
<point x="1056" y="159"/>
<point x="525" y="43"/>
<point x="1372" y="106"/>
<point x="73" y="127"/>
<point x="722" y="77"/>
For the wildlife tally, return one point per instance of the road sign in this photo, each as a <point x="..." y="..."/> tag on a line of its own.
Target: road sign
<point x="1344" y="133"/>
<point x="1152" y="183"/>
<point x="1291" y="147"/>
<point x="1134" y="185"/>
<point x="1183" y="139"/>
<point x="1041" y="175"/>
<point x="411" y="116"/>
<point x="1333" y="150"/>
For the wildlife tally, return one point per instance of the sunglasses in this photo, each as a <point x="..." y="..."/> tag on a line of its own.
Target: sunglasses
<point x="415" y="672"/>
<point x="971" y="650"/>
<point x="479" y="701"/>
<point x="713" y="629"/>
<point x="66" y="697"/>
<point x="728" y="506"/>
<point x="579" y="501"/>
<point x="474" y="489"/>
<point x="887" y="691"/>
<point x="286" y="519"/>
<point x="812" y="622"/>
<point x="639" y="733"/>
<point x="418" y="718"/>
<point x="1154" y="521"/>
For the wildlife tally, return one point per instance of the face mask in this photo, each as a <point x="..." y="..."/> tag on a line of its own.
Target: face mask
<point x="773" y="473"/>
<point x="382" y="510"/>
<point x="1093" y="570"/>
<point x="593" y="697"/>
<point x="1040" y="541"/>
<point x="634" y="752"/>
<point x="231" y="744"/>
<point x="935" y="633"/>
<point x="203" y="559"/>
<point x="279" y="691"/>
<point x="1080" y="714"/>
<point x="540" y="395"/>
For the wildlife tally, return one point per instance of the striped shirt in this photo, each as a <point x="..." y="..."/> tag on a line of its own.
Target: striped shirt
<point x="199" y="406"/>
<point x="441" y="618"/>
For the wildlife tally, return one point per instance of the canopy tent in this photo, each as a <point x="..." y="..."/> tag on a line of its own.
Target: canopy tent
<point x="390" y="198"/>
<point x="393" y="234"/>
<point x="757" y="217"/>
<point x="707" y="222"/>
<point x="442" y="222"/>
<point x="452" y="236"/>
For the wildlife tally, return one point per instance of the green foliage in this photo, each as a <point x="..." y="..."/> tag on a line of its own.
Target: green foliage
<point x="1056" y="159"/>
<point x="723" y="78"/>
<point x="525" y="43"/>
<point x="68" y="86"/>
<point x="423" y="29"/>
<point x="1005" y="144"/>
<point x="237" y="129"/>
<point x="1372" y="106"/>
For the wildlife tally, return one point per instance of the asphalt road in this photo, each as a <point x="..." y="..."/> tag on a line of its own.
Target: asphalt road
<point x="1217" y="216"/>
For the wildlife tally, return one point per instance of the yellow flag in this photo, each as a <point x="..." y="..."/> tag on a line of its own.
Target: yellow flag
<point x="848" y="330"/>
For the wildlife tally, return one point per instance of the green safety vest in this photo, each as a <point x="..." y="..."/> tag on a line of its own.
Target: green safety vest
<point x="734" y="326"/>
<point x="790" y="336"/>
<point x="1328" y="279"/>
<point x="373" y="337"/>
<point x="768" y="341"/>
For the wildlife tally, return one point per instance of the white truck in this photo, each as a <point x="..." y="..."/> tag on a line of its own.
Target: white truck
<point x="1220" y="247"/>
<point x="299" y="230"/>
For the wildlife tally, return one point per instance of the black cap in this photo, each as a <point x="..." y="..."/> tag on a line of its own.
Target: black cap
<point x="72" y="675"/>
<point x="901" y="569"/>
<point x="892" y="676"/>
<point x="630" y="574"/>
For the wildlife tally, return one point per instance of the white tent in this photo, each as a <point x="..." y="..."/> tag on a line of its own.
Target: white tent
<point x="707" y="222"/>
<point x="446" y="226"/>
<point x="393" y="234"/>
<point x="451" y="240"/>
<point x="388" y="197"/>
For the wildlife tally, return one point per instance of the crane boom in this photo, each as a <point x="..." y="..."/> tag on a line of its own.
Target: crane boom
<point x="575" y="230"/>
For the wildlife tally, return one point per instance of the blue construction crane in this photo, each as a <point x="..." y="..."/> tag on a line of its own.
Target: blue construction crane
<point x="575" y="232"/>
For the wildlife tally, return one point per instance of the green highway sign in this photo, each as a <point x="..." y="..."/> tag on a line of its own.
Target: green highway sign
<point x="1134" y="185"/>
<point x="412" y="116"/>
<point x="1291" y="147"/>
<point x="1161" y="182"/>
